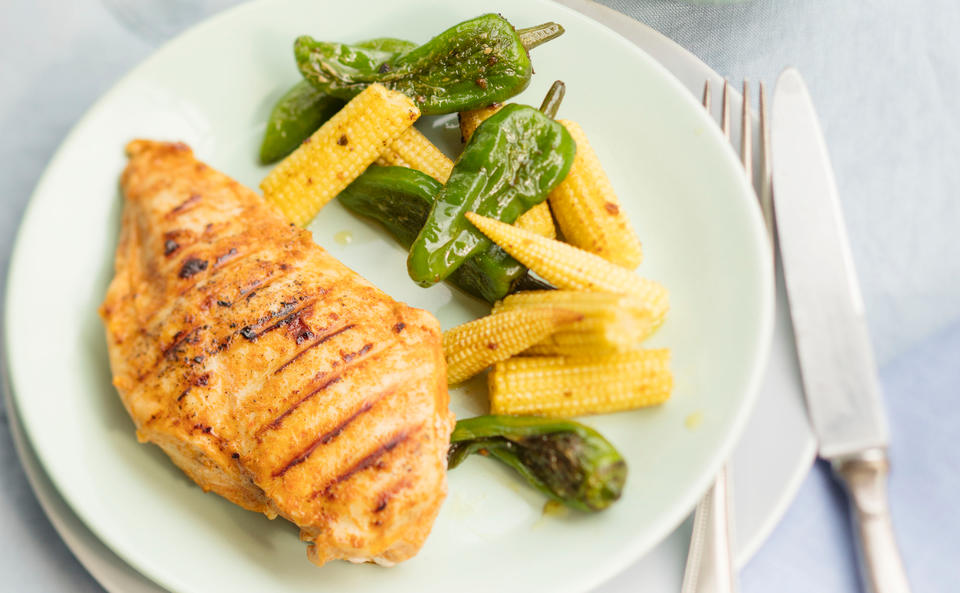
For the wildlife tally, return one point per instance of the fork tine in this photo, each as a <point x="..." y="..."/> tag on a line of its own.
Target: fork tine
<point x="725" y="111"/>
<point x="766" y="191"/>
<point x="746" y="134"/>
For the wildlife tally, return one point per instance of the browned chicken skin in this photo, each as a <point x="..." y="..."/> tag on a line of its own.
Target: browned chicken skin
<point x="268" y="371"/>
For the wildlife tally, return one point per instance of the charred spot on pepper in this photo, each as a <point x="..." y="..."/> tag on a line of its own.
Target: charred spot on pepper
<point x="384" y="68"/>
<point x="202" y="380"/>
<point x="399" y="327"/>
<point x="191" y="267"/>
<point x="224" y="303"/>
<point x="611" y="208"/>
<point x="169" y="246"/>
<point x="342" y="140"/>
<point x="481" y="82"/>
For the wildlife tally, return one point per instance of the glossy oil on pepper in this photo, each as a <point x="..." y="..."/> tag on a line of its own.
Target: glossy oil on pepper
<point x="511" y="163"/>
<point x="474" y="63"/>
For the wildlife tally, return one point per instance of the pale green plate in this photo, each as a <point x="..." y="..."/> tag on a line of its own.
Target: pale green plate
<point x="213" y="88"/>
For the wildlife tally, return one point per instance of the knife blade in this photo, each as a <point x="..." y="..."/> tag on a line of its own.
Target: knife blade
<point x="836" y="358"/>
<point x="837" y="366"/>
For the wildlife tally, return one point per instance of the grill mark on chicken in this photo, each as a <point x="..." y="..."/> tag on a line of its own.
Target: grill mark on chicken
<point x="327" y="379"/>
<point x="331" y="434"/>
<point x="252" y="332"/>
<point x="191" y="267"/>
<point x="348" y="356"/>
<point x="220" y="264"/>
<point x="366" y="461"/>
<point x="184" y="205"/>
<point x="222" y="259"/>
<point x="320" y="340"/>
<point x="389" y="492"/>
<point x="179" y="339"/>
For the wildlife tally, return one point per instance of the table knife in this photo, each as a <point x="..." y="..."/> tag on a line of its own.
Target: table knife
<point x="833" y="346"/>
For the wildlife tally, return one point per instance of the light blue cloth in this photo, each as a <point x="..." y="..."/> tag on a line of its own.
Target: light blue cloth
<point x="884" y="77"/>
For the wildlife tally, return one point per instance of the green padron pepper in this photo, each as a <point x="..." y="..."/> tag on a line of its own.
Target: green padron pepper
<point x="304" y="108"/>
<point x="511" y="163"/>
<point x="567" y="461"/>
<point x="298" y="113"/>
<point x="400" y="199"/>
<point x="472" y="64"/>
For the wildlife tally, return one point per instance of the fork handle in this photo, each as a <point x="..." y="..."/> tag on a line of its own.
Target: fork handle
<point x="865" y="478"/>
<point x="709" y="566"/>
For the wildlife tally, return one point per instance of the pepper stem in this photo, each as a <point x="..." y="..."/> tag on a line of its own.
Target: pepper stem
<point x="531" y="37"/>
<point x="551" y="103"/>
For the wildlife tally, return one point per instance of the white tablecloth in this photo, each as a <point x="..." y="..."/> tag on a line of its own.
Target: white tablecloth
<point x="884" y="78"/>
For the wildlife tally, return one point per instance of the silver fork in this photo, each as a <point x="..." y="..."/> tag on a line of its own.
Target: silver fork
<point x="710" y="567"/>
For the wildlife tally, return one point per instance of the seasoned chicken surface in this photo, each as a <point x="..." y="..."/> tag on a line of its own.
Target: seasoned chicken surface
<point x="268" y="371"/>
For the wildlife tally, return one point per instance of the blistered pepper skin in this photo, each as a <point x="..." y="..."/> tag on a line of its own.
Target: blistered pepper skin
<point x="472" y="64"/>
<point x="298" y="113"/>
<point x="400" y="199"/>
<point x="513" y="160"/>
<point x="304" y="108"/>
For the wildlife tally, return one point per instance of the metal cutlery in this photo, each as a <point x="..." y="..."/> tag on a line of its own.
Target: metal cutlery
<point x="709" y="567"/>
<point x="833" y="346"/>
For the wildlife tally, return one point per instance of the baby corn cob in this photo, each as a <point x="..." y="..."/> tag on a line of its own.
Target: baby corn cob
<point x="568" y="267"/>
<point x="312" y="175"/>
<point x="611" y="322"/>
<point x="473" y="346"/>
<point x="588" y="211"/>
<point x="412" y="149"/>
<point x="469" y="120"/>
<point x="574" y="343"/>
<point x="558" y="386"/>
<point x="538" y="219"/>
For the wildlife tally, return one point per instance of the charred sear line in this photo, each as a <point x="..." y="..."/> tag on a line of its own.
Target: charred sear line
<point x="319" y="340"/>
<point x="276" y="422"/>
<point x="179" y="339"/>
<point x="331" y="434"/>
<point x="184" y="205"/>
<point x="348" y="356"/>
<point x="192" y="267"/>
<point x="285" y="312"/>
<point x="326" y="380"/>
<point x="366" y="461"/>
<point x="222" y="259"/>
<point x="389" y="492"/>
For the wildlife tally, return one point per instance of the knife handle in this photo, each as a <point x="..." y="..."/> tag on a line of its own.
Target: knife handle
<point x="864" y="475"/>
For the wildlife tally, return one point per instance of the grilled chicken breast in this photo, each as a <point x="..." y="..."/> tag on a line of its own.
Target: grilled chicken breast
<point x="268" y="371"/>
